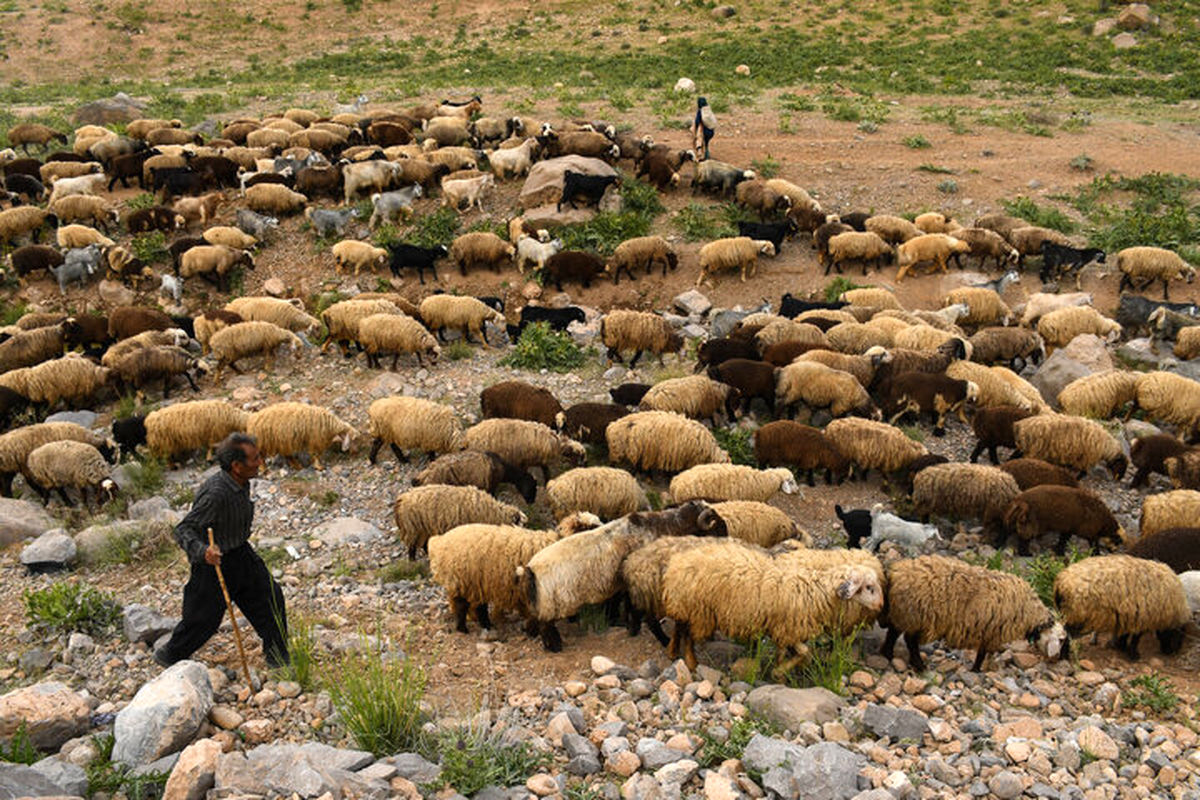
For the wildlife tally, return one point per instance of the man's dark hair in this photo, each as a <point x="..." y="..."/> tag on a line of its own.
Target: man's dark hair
<point x="232" y="449"/>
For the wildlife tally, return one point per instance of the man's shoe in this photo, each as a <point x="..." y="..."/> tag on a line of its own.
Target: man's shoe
<point x="160" y="656"/>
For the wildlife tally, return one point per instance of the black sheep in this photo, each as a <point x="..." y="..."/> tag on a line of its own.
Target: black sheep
<point x="588" y="422"/>
<point x="557" y="318"/>
<point x="419" y="258"/>
<point x="720" y="350"/>
<point x="129" y="165"/>
<point x="1057" y="256"/>
<point x="590" y="187"/>
<point x="129" y="433"/>
<point x="994" y="428"/>
<point x="154" y="218"/>
<point x="12" y="403"/>
<point x="751" y="379"/>
<point x="33" y="257"/>
<point x="218" y="170"/>
<point x="857" y="523"/>
<point x="573" y="265"/>
<point x="85" y="330"/>
<point x="629" y="394"/>
<point x="773" y="232"/>
<point x="25" y="186"/>
<point x="791" y="307"/>
<point x="857" y="220"/>
<point x="1148" y="454"/>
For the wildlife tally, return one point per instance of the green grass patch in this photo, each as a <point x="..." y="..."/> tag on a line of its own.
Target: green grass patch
<point x="304" y="665"/>
<point x="403" y="570"/>
<point x="1152" y="691"/>
<point x="934" y="169"/>
<point x="146" y="477"/>
<point x="1162" y="211"/>
<point x="714" y="751"/>
<point x="1042" y="569"/>
<point x="378" y="697"/>
<point x="1043" y="216"/>
<point x="766" y="167"/>
<point x="699" y="223"/>
<point x="12" y="311"/>
<point x="833" y="658"/>
<point x="472" y="760"/>
<point x="107" y="777"/>
<point x="150" y="247"/>
<point x="602" y="233"/>
<point x="540" y="347"/>
<point x="67" y="607"/>
<point x="948" y="186"/>
<point x="739" y="443"/>
<point x="837" y="287"/>
<point x="917" y="142"/>
<point x="140" y="201"/>
<point x="430" y="230"/>
<point x="20" y="749"/>
<point x="457" y="350"/>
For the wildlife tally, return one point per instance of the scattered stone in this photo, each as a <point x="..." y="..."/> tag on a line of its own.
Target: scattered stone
<point x="225" y="717"/>
<point x="602" y="666"/>
<point x="678" y="772"/>
<point x="895" y="723"/>
<point x="542" y="784"/>
<point x="1124" y="41"/>
<point x="341" y="531"/>
<point x="82" y="418"/>
<point x="724" y="12"/>
<point x="164" y="715"/>
<point x="1136" y="16"/>
<point x="824" y="771"/>
<point x="692" y="302"/>
<point x="70" y="778"/>
<point x="1103" y="27"/>
<point x="54" y="549"/>
<point x="21" y="519"/>
<point x="308" y="770"/>
<point x="144" y="624"/>
<point x="413" y="767"/>
<point x="685" y="86"/>
<point x="194" y="772"/>
<point x="274" y="287"/>
<point x="623" y="763"/>
<point x="788" y="708"/>
<point x="50" y="712"/>
<point x="742" y="69"/>
<point x="257" y="731"/>
<point x="1096" y="742"/>
<point x="19" y="781"/>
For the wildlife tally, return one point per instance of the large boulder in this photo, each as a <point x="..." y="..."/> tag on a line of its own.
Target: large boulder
<point x="52" y="550"/>
<point x="824" y="771"/>
<point x="106" y="111"/>
<point x="1085" y="355"/>
<point x="307" y="770"/>
<point x="95" y="542"/>
<point x="1136" y="16"/>
<point x="788" y="708"/>
<point x="545" y="182"/>
<point x="18" y="780"/>
<point x="194" y="772"/>
<point x="164" y="716"/>
<point x="549" y="217"/>
<point x="144" y="624"/>
<point x="21" y="519"/>
<point x="50" y="712"/>
<point x="344" y="530"/>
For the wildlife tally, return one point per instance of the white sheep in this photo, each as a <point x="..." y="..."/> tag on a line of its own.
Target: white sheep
<point x="530" y="250"/>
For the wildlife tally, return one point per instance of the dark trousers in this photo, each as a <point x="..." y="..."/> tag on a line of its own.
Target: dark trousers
<point x="250" y="587"/>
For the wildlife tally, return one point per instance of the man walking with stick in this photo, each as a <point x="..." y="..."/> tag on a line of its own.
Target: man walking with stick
<point x="223" y="510"/>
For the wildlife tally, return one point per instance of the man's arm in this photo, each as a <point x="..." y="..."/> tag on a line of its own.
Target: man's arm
<point x="192" y="531"/>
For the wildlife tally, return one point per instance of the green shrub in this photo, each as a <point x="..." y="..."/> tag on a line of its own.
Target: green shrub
<point x="832" y="659"/>
<point x="20" y="749"/>
<point x="700" y="223"/>
<point x="457" y="350"/>
<point x="378" y="697"/>
<point x="471" y="760"/>
<point x="602" y="233"/>
<point x="836" y="287"/>
<point x="140" y="201"/>
<point x="948" y="186"/>
<point x="403" y="570"/>
<point x="303" y="665"/>
<point x="935" y="169"/>
<point x="917" y="142"/>
<point x="741" y="731"/>
<point x="430" y="230"/>
<point x="540" y="347"/>
<point x="11" y="312"/>
<point x="1082" y="163"/>
<point x="107" y="777"/>
<point x="1041" y="571"/>
<point x="1153" y="691"/>
<point x="67" y="607"/>
<point x="738" y="442"/>
<point x="150" y="247"/>
<point x="146" y="477"/>
<point x="1043" y="216"/>
<point x="767" y="167"/>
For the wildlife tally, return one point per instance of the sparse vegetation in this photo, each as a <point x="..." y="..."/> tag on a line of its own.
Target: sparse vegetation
<point x="837" y="286"/>
<point x="917" y="142"/>
<point x="714" y="751"/>
<point x="700" y="223"/>
<point x="378" y="695"/>
<point x="738" y="442"/>
<point x="766" y="167"/>
<point x="109" y="777"/>
<point x="1042" y="569"/>
<point x="150" y="247"/>
<point x="1043" y="216"/>
<point x="1152" y="691"/>
<point x="541" y="347"/>
<point x="457" y="350"/>
<point x="73" y="606"/>
<point x="471" y="760"/>
<point x="20" y="749"/>
<point x="832" y="659"/>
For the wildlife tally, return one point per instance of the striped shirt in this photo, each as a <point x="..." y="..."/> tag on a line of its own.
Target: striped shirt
<point x="222" y="504"/>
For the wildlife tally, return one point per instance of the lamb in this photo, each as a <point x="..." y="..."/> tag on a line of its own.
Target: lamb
<point x="182" y="427"/>
<point x="71" y="378"/>
<point x="353" y="253"/>
<point x="984" y="244"/>
<point x="413" y="424"/>
<point x="661" y="441"/>
<point x="891" y="528"/>
<point x="69" y="464"/>
<point x="465" y="314"/>
<point x="1184" y="470"/>
<point x="986" y="306"/>
<point x="588" y="422"/>
<point x="1179" y="508"/>
<point x="792" y="597"/>
<point x="424" y="512"/>
<point x="716" y="482"/>
<point x="643" y="251"/>
<point x="1174" y="399"/>
<point x="1072" y="442"/>
<point x="607" y="492"/>
<point x="1059" y="327"/>
<point x="523" y="443"/>
<point x="27" y="133"/>
<point x="935" y="247"/>
<point x="26" y="221"/>
<point x="762" y="199"/>
<point x="639" y="331"/>
<point x="696" y="397"/>
<point x="531" y="251"/>
<point x="1124" y="596"/>
<point x="1065" y="510"/>
<point x="519" y="400"/>
<point x="145" y="364"/>
<point x="211" y="321"/>
<point x="893" y="230"/>
<point x="16" y="445"/>
<point x="210" y="260"/>
<point x="286" y="314"/>
<point x="1150" y="264"/>
<point x="586" y="568"/>
<point x="1100" y="395"/>
<point x="994" y="427"/>
<point x="873" y="445"/>
<point x="480" y="249"/>
<point x="573" y="265"/>
<point x="819" y="386"/>
<point x="396" y="334"/>
<point x="342" y="319"/>
<point x="557" y="319"/>
<point x="719" y="177"/>
<point x="256" y="225"/>
<point x="1028" y="241"/>
<point x="245" y="339"/>
<point x="866" y="248"/>
<point x="921" y="392"/>
<point x="1178" y="548"/>
<point x="288" y="429"/>
<point x="964" y="491"/>
<point x="1013" y="346"/>
<point x="940" y="598"/>
<point x="275" y="199"/>
<point x="789" y="444"/>
<point x="475" y="563"/>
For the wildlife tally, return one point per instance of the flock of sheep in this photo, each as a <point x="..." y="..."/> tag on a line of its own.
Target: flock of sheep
<point x="720" y="557"/>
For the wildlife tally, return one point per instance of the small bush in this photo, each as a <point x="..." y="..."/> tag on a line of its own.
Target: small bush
<point x="1041" y="571"/>
<point x="457" y="350"/>
<point x="20" y="749"/>
<point x="109" y="778"/>
<point x="140" y="201"/>
<point x="767" y="167"/>
<point x="146" y="477"/>
<point x="378" y="697"/>
<point x="1043" y="216"/>
<point x="700" y="223"/>
<point x="640" y="204"/>
<point x="403" y="570"/>
<point x="935" y="169"/>
<point x="471" y="760"/>
<point x="948" y="186"/>
<point x="150" y="247"/>
<point x="739" y="443"/>
<point x="11" y="312"/>
<point x="1081" y="163"/>
<point x="540" y="347"/>
<point x="832" y="660"/>
<point x="741" y="731"/>
<point x="917" y="142"/>
<point x="303" y="666"/>
<point x="836" y="287"/>
<point x="440" y="227"/>
<point x="1153" y="691"/>
<point x="69" y="607"/>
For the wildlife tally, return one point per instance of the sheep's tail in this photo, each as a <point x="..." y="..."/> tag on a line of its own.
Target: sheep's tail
<point x="840" y="514"/>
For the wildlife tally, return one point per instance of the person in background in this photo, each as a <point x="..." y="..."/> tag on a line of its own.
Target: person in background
<point x="703" y="127"/>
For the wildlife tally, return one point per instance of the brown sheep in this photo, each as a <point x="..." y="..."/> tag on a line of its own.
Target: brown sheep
<point x="520" y="400"/>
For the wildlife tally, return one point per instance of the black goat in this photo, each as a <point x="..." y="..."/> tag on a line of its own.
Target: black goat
<point x="592" y="187"/>
<point x="419" y="258"/>
<point x="558" y="318"/>
<point x="773" y="232"/>
<point x="27" y="187"/>
<point x="1057" y="256"/>
<point x="1133" y="311"/>
<point x="792" y="307"/>
<point x="857" y="523"/>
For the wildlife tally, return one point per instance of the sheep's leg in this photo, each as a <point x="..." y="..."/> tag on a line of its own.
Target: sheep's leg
<point x="1131" y="648"/>
<point x="191" y="383"/>
<point x="233" y="366"/>
<point x="482" y="331"/>
<point x="689" y="648"/>
<point x="633" y="362"/>
<point x="375" y="445"/>
<point x="652" y="622"/>
<point x="396" y="360"/>
<point x="66" y="498"/>
<point x="633" y="620"/>
<point x="673" y="643"/>
<point x="1061" y="546"/>
<point x="913" y="640"/>
<point x="1166" y="296"/>
<point x="808" y="477"/>
<point x="551" y="640"/>
<point x="889" y="643"/>
<point x="1022" y="545"/>
<point x="482" y="616"/>
<point x="1139" y="478"/>
<point x="980" y="655"/>
<point x="460" y="606"/>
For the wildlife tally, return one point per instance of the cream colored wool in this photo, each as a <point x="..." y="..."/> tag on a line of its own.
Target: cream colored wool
<point x="1175" y="509"/>
<point x="192" y="425"/>
<point x="964" y="491"/>
<point x="695" y="397"/>
<point x="661" y="441"/>
<point x="873" y="445"/>
<point x="412" y="423"/>
<point x="1121" y="595"/>
<point x="819" y="386"/>
<point x="717" y="482"/>
<point x="1099" y="395"/>
<point x="274" y="310"/>
<point x="288" y="429"/>
<point x="607" y="492"/>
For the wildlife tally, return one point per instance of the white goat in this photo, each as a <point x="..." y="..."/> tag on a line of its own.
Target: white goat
<point x="889" y="527"/>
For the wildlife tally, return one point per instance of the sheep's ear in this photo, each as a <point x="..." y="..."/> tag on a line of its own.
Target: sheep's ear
<point x="849" y="587"/>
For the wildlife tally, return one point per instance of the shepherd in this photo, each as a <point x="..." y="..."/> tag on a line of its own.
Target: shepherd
<point x="223" y="505"/>
<point x="703" y="127"/>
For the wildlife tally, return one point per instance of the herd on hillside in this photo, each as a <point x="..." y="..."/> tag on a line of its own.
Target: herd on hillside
<point x="719" y="557"/>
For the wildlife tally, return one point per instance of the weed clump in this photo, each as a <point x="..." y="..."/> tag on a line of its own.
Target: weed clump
<point x="540" y="347"/>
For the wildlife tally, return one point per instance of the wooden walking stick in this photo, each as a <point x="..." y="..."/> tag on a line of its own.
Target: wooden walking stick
<point x="237" y="634"/>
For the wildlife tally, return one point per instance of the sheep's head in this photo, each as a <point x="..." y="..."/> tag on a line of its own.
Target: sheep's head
<point x="787" y="482"/>
<point x="972" y="392"/>
<point x="1117" y="465"/>
<point x="573" y="451"/>
<point x="1051" y="639"/>
<point x="861" y="585"/>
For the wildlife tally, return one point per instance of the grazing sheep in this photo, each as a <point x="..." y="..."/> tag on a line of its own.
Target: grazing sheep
<point x="84" y="208"/>
<point x="480" y="249"/>
<point x="284" y="313"/>
<point x="244" y="339"/>
<point x="1069" y="441"/>
<point x="514" y="162"/>
<point x="873" y="445"/>
<point x="33" y="257"/>
<point x="211" y="321"/>
<point x="993" y="426"/>
<point x="964" y="491"/>
<point x="857" y="338"/>
<point x="1150" y="264"/>
<point x="69" y="464"/>
<point x="127" y="321"/>
<point x="397" y="334"/>
<point x="643" y="251"/>
<point x="1174" y="399"/>
<point x="661" y="441"/>
<point x="532" y="251"/>
<point x="1187" y="343"/>
<point x="230" y="237"/>
<point x="423" y="512"/>
<point x="639" y="331"/>
<point x="985" y="306"/>
<point x="984" y="244"/>
<point x="29" y="348"/>
<point x="1059" y="327"/>
<point x="465" y="314"/>
<point x="922" y="392"/>
<point x="784" y="330"/>
<point x="72" y="378"/>
<point x="413" y="424"/>
<point x="717" y="482"/>
<point x="760" y="524"/>
<point x="573" y="265"/>
<point x="586" y="568"/>
<point x="213" y="260"/>
<point x="520" y="400"/>
<point x="122" y="265"/>
<point x="696" y="397"/>
<point x="1179" y="508"/>
<point x="172" y="337"/>
<point x="486" y="471"/>
<point x="747" y="378"/>
<point x="935" y="247"/>
<point x="1031" y="472"/>
<point x="353" y="253"/>
<point x="1040" y="303"/>
<point x="1012" y="346"/>
<point x="607" y="492"/>
<point x="1100" y="395"/>
<point x="523" y="443"/>
<point x="342" y="319"/>
<point x="994" y="389"/>
<point x="1178" y="548"/>
<point x="194" y="425"/>
<point x="16" y="445"/>
<point x="642" y="574"/>
<point x="275" y="199"/>
<point x="893" y="230"/>
<point x="27" y="133"/>
<point x="288" y="429"/>
<point x="938" y="598"/>
<point x="819" y="386"/>
<point x="756" y="196"/>
<point x="28" y="221"/>
<point x="792" y="597"/>
<point x="1028" y="241"/>
<point x="866" y="248"/>
<point x="1065" y="510"/>
<point x="1184" y="470"/>
<point x="1150" y="453"/>
<point x="1126" y="597"/>
<point x="146" y="364"/>
<point x="719" y="177"/>
<point x="588" y="422"/>
<point x="789" y="444"/>
<point x="469" y="191"/>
